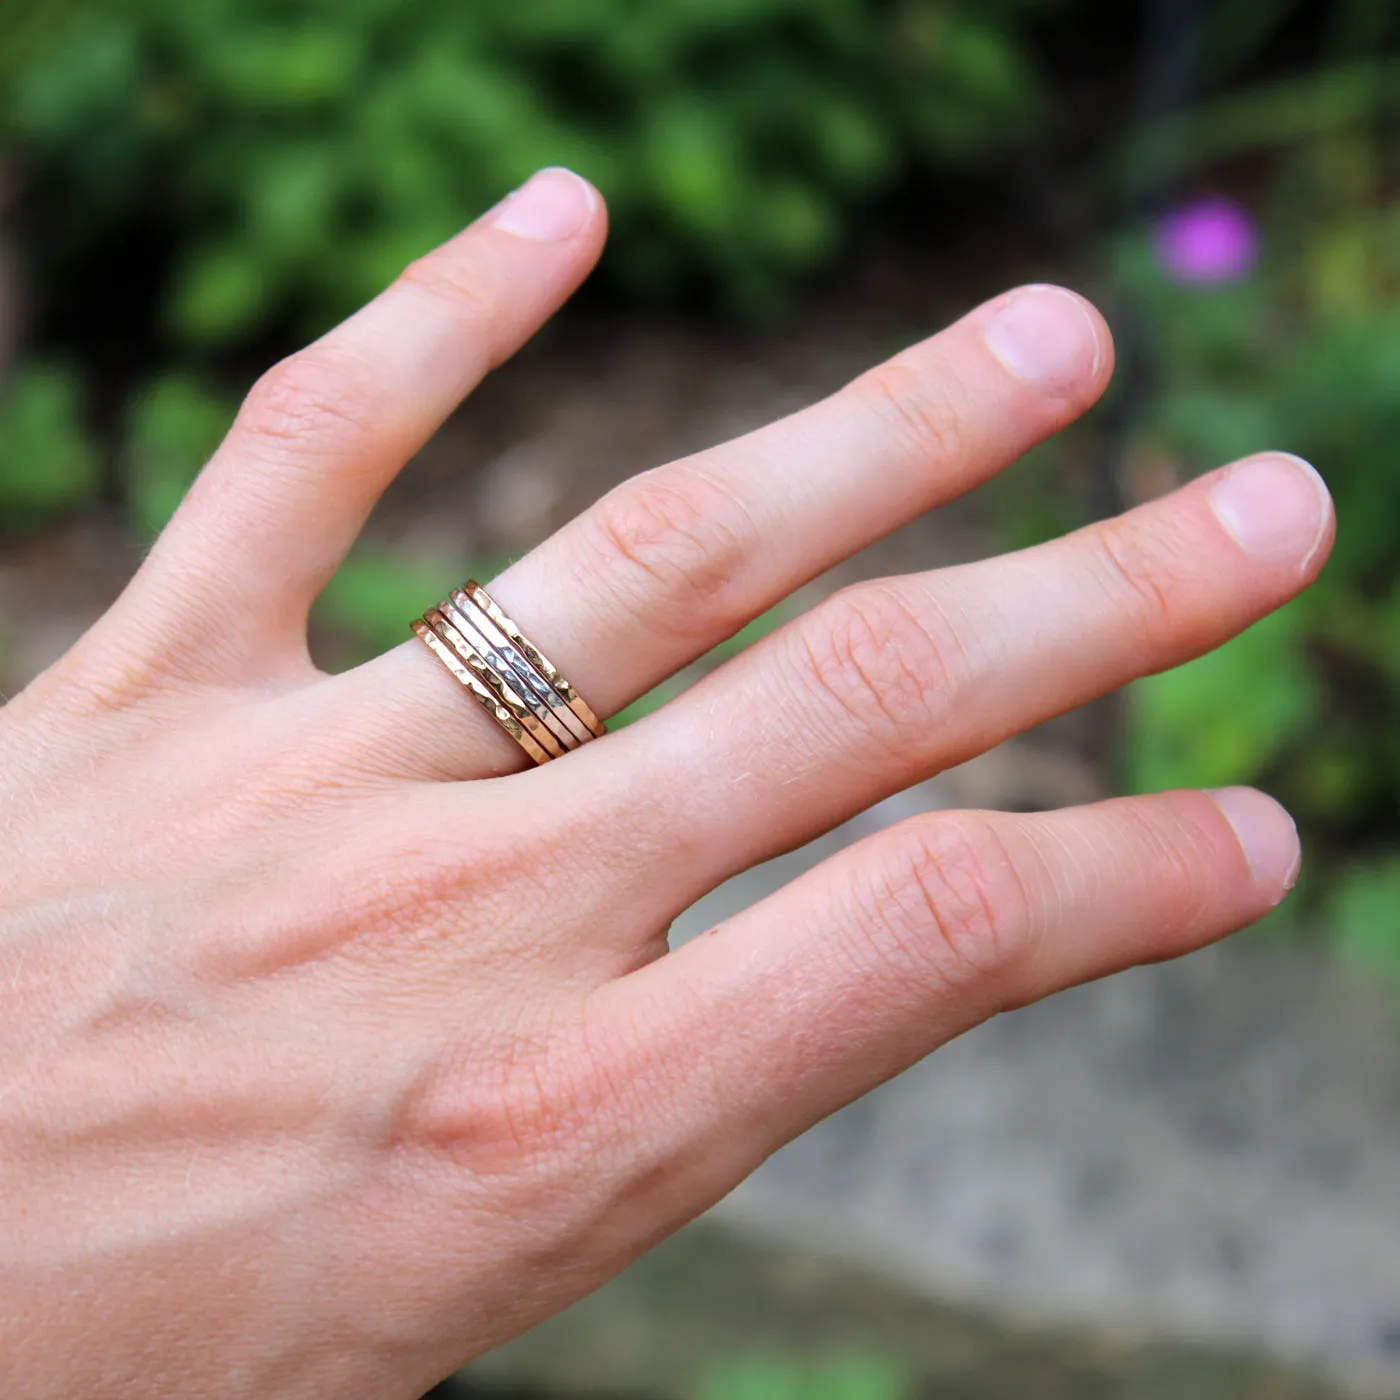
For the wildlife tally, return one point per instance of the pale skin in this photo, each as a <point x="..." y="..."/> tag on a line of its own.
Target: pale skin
<point x="337" y="1044"/>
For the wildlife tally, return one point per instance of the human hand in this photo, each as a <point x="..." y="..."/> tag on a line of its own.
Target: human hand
<point x="334" y="1051"/>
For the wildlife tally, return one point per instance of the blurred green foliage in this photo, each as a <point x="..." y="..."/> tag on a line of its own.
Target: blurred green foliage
<point x="282" y="160"/>
<point x="846" y="1377"/>
<point x="1303" y="356"/>
<point x="1362" y="916"/>
<point x="305" y="150"/>
<point x="172" y="427"/>
<point x="365" y="608"/>
<point x="48" y="463"/>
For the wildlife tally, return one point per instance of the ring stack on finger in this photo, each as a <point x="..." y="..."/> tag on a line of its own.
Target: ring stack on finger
<point x="507" y="675"/>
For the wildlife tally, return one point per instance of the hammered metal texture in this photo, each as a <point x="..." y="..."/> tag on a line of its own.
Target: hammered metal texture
<point x="537" y="683"/>
<point x="477" y="691"/>
<point x="505" y="694"/>
<point x="465" y="621"/>
<point x="537" y="659"/>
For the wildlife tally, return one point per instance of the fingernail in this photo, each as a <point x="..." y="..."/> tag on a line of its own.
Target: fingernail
<point x="549" y="207"/>
<point x="1266" y="834"/>
<point x="1276" y="507"/>
<point x="1045" y="336"/>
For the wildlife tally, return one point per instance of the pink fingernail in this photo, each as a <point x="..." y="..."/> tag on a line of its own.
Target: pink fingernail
<point x="1266" y="834"/>
<point x="1276" y="507"/>
<point x="1047" y="337"/>
<point x="549" y="208"/>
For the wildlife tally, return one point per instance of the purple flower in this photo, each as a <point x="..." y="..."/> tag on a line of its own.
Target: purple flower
<point x="1208" y="243"/>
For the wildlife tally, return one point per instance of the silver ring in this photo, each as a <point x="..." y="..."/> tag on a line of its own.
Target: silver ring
<point x="465" y="619"/>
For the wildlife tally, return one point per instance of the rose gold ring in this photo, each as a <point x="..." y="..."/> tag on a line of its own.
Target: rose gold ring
<point x="507" y="675"/>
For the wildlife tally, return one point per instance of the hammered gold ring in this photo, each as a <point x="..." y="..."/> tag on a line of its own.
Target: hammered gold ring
<point x="506" y="674"/>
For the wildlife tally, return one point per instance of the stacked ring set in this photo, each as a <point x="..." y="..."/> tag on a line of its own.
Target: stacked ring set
<point x="509" y="677"/>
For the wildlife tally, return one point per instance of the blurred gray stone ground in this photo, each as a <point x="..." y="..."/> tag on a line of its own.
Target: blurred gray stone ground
<point x="678" y="1323"/>
<point x="1209" y="1148"/>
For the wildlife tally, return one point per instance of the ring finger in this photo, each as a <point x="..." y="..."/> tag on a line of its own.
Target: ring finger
<point x="679" y="558"/>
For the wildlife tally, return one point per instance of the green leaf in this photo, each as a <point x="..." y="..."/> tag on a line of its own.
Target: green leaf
<point x="839" y="1377"/>
<point x="223" y="291"/>
<point x="292" y="66"/>
<point x="694" y="168"/>
<point x="795" y="222"/>
<point x="292" y="208"/>
<point x="92" y="76"/>
<point x="1364" y="916"/>
<point x="376" y="593"/>
<point x="1224" y="718"/>
<point x="855" y="145"/>
<point x="172" y="429"/>
<point x="860" y="1378"/>
<point x="280" y="141"/>
<point x="755" y="1378"/>
<point x="48" y="463"/>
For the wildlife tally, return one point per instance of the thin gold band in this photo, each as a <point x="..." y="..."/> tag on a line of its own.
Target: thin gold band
<point x="565" y="724"/>
<point x="477" y="691"/>
<point x="537" y="658"/>
<point x="505" y="693"/>
<point x="506" y="674"/>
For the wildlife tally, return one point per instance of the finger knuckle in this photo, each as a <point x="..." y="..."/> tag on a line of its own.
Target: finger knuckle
<point x="888" y="669"/>
<point x="675" y="542"/>
<point x="947" y="903"/>
<point x="1140" y="578"/>
<point x="926" y="423"/>
<point x="493" y="1104"/>
<point x="447" y="275"/>
<point x="1175" y="857"/>
<point x="527" y="1108"/>
<point x="313" y="401"/>
<point x="91" y="684"/>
